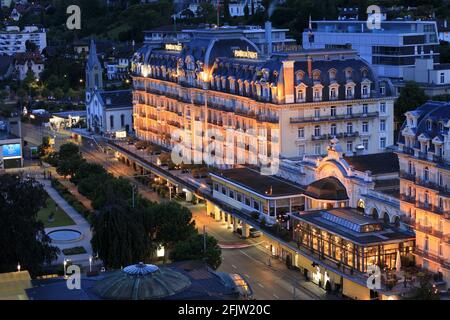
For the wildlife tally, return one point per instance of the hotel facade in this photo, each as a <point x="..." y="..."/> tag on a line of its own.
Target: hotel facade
<point x="424" y="155"/>
<point x="256" y="108"/>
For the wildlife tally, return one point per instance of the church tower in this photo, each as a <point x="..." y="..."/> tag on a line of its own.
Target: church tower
<point x="94" y="71"/>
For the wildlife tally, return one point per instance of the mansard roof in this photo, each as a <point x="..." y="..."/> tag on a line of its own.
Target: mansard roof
<point x="434" y="111"/>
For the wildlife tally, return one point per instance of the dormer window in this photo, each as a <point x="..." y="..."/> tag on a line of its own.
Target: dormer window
<point x="333" y="93"/>
<point x="382" y="89"/>
<point x="316" y="75"/>
<point x="299" y="76"/>
<point x="349" y="92"/>
<point x="441" y="127"/>
<point x="429" y="125"/>
<point x="365" y="91"/>
<point x="348" y="73"/>
<point x="332" y="74"/>
<point x="317" y="94"/>
<point x="300" y="93"/>
<point x="364" y="73"/>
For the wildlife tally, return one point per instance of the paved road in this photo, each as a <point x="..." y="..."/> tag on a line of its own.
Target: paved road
<point x="268" y="282"/>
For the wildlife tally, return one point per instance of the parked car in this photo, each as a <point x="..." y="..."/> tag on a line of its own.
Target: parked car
<point x="254" y="233"/>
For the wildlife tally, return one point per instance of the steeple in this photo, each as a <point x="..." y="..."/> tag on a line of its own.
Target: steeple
<point x="94" y="71"/>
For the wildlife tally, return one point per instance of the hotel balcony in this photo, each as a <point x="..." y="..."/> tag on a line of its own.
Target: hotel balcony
<point x="338" y="136"/>
<point x="410" y="221"/>
<point x="266" y="118"/>
<point x="330" y="118"/>
<point x="407" y="176"/>
<point x="432" y="257"/>
<point x="408" y="198"/>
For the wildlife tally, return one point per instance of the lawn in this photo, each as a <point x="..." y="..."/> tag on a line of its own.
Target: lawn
<point x="60" y="217"/>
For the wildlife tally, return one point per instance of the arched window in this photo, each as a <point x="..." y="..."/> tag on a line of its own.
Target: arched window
<point x="426" y="174"/>
<point x="386" y="219"/>
<point x="332" y="74"/>
<point x="365" y="91"/>
<point x="374" y="214"/>
<point x="316" y="75"/>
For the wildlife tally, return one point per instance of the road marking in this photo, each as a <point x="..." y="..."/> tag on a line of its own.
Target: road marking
<point x="259" y="284"/>
<point x="233" y="266"/>
<point x="276" y="297"/>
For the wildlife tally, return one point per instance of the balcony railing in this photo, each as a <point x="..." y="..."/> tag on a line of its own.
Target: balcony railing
<point x="433" y="257"/>
<point x="334" y="117"/>
<point x="338" y="136"/>
<point x="410" y="221"/>
<point x="408" y="198"/>
<point x="407" y="175"/>
<point x="425" y="229"/>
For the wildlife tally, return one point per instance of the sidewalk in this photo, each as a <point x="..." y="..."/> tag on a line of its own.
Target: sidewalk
<point x="81" y="225"/>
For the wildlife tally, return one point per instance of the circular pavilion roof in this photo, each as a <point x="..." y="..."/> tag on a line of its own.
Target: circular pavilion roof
<point x="141" y="282"/>
<point x="329" y="188"/>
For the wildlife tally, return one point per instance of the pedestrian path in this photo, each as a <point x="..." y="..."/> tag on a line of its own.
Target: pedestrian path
<point x="81" y="225"/>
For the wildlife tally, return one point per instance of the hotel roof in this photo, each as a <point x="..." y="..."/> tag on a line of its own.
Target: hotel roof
<point x="377" y="163"/>
<point x="265" y="185"/>
<point x="349" y="223"/>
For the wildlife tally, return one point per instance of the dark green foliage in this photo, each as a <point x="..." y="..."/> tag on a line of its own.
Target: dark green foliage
<point x="193" y="249"/>
<point x="22" y="237"/>
<point x="411" y="97"/>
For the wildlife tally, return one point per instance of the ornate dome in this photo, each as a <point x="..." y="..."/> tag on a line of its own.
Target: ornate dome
<point x="141" y="282"/>
<point x="329" y="188"/>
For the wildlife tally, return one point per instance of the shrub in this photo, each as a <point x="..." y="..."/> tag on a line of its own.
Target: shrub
<point x="255" y="215"/>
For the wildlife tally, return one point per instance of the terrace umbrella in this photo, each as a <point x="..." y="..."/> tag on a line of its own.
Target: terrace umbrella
<point x="398" y="262"/>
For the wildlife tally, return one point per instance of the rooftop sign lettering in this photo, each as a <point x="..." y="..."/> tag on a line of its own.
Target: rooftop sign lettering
<point x="245" y="54"/>
<point x="173" y="47"/>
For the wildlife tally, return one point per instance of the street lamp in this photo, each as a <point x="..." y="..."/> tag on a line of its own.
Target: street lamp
<point x="18" y="267"/>
<point x="90" y="263"/>
<point x="65" y="263"/>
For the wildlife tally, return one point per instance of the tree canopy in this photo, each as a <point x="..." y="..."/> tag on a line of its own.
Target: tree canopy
<point x="411" y="96"/>
<point x="22" y="237"/>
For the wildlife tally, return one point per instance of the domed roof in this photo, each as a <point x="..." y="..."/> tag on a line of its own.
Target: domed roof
<point x="141" y="282"/>
<point x="329" y="188"/>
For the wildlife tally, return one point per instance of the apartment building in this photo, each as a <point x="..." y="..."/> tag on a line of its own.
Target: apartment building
<point x="286" y="104"/>
<point x="12" y="39"/>
<point x="424" y="155"/>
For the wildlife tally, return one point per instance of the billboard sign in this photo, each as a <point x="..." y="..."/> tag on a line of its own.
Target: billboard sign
<point x="11" y="151"/>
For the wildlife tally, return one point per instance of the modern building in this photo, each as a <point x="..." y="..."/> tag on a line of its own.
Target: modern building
<point x="188" y="280"/>
<point x="433" y="78"/>
<point x="390" y="48"/>
<point x="108" y="112"/>
<point x="237" y="7"/>
<point x="11" y="155"/>
<point x="288" y="103"/>
<point x="12" y="39"/>
<point x="424" y="155"/>
<point x="444" y="30"/>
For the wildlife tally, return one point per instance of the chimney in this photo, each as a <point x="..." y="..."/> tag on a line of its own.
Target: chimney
<point x="288" y="79"/>
<point x="268" y="33"/>
<point x="309" y="66"/>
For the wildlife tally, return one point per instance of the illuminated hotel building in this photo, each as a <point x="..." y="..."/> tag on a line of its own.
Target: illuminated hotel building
<point x="424" y="155"/>
<point x="288" y="103"/>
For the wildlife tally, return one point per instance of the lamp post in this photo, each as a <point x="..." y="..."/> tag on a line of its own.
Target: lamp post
<point x="65" y="263"/>
<point x="90" y="263"/>
<point x="18" y="267"/>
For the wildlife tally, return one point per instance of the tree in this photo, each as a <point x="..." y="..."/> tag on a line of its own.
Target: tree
<point x="411" y="97"/>
<point x="119" y="188"/>
<point x="22" y="237"/>
<point x="69" y="159"/>
<point x="426" y="290"/>
<point x="117" y="238"/>
<point x="87" y="170"/>
<point x="246" y="12"/>
<point x="174" y="224"/>
<point x="193" y="249"/>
